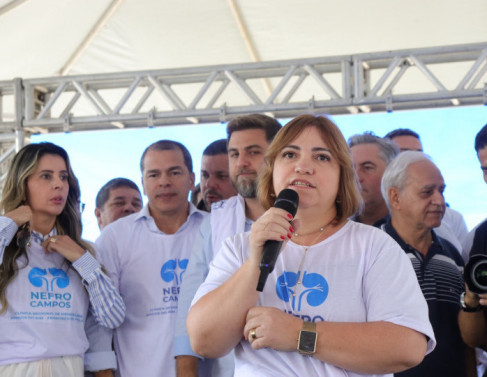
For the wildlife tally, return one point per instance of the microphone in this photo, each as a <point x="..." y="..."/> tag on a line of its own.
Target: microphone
<point x="287" y="200"/>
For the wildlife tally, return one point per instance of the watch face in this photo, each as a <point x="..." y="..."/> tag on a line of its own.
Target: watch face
<point x="307" y="341"/>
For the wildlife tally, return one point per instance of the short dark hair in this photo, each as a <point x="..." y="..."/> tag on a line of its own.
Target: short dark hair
<point x="481" y="139"/>
<point x="104" y="192"/>
<point x="254" y="121"/>
<point x="402" y="132"/>
<point x="215" y="148"/>
<point x="168" y="145"/>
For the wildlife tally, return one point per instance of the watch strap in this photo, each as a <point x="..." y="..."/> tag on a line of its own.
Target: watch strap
<point x="309" y="326"/>
<point x="466" y="308"/>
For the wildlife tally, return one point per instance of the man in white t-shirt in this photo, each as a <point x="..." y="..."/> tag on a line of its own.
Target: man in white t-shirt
<point x="146" y="255"/>
<point x="248" y="139"/>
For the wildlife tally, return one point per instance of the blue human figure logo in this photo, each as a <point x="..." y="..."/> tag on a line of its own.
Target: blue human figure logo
<point x="169" y="270"/>
<point x="315" y="289"/>
<point x="39" y="276"/>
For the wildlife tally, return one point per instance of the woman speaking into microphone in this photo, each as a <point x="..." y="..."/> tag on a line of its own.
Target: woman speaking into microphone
<point x="342" y="299"/>
<point x="48" y="275"/>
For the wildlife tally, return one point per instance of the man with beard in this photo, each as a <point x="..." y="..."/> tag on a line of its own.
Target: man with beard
<point x="248" y="139"/>
<point x="215" y="182"/>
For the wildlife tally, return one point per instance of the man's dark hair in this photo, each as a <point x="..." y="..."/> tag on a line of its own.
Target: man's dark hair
<point x="168" y="145"/>
<point x="481" y="139"/>
<point x="215" y="148"/>
<point x="254" y="121"/>
<point x="104" y="193"/>
<point x="402" y="132"/>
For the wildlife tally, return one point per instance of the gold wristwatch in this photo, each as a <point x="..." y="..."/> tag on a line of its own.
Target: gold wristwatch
<point x="307" y="339"/>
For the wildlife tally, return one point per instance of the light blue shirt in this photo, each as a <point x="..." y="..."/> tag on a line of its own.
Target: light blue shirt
<point x="48" y="304"/>
<point x="148" y="267"/>
<point x="225" y="212"/>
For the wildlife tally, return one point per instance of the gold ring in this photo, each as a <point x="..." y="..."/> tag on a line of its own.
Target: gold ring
<point x="253" y="334"/>
<point x="52" y="239"/>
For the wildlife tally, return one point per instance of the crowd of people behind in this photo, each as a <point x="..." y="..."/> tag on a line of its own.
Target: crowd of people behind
<point x="370" y="279"/>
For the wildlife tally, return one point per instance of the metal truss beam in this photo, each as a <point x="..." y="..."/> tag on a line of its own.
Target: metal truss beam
<point x="384" y="81"/>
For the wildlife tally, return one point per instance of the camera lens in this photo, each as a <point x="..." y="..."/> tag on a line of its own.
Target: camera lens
<point x="476" y="274"/>
<point x="480" y="272"/>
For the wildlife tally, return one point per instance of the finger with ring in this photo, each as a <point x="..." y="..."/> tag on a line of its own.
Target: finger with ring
<point x="253" y="334"/>
<point x="52" y="239"/>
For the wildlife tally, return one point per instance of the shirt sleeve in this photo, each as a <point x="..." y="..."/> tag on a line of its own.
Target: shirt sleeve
<point x="195" y="275"/>
<point x="8" y="227"/>
<point x="392" y="292"/>
<point x="106" y="304"/>
<point x="100" y="355"/>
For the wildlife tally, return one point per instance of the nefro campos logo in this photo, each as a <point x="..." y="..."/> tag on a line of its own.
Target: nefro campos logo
<point x="314" y="289"/>
<point x="173" y="270"/>
<point x="39" y="277"/>
<point x="48" y="280"/>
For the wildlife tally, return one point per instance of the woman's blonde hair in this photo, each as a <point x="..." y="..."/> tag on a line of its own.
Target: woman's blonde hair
<point x="348" y="199"/>
<point x="14" y="194"/>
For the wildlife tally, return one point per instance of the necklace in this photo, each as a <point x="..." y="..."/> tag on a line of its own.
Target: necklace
<point x="319" y="230"/>
<point x="306" y="248"/>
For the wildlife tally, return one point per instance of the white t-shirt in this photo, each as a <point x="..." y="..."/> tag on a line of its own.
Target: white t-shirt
<point x="147" y="266"/>
<point x="359" y="274"/>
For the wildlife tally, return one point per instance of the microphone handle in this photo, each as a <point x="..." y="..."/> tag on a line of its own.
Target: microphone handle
<point x="269" y="258"/>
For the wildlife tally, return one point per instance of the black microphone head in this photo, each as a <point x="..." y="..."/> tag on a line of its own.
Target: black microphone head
<point x="288" y="200"/>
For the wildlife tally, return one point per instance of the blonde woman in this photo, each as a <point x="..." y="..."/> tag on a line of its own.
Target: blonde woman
<point x="48" y="275"/>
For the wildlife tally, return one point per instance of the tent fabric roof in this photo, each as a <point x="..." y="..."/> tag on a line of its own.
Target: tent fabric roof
<point x="39" y="37"/>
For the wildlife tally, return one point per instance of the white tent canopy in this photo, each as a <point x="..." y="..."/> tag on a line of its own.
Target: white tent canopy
<point x="50" y="37"/>
<point x="251" y="50"/>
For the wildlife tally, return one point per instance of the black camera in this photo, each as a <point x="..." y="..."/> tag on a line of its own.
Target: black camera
<point x="476" y="274"/>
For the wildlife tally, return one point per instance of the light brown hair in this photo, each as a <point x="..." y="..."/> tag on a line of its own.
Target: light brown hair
<point x="348" y="199"/>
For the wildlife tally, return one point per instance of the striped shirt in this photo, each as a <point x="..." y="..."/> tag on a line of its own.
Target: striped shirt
<point x="440" y="276"/>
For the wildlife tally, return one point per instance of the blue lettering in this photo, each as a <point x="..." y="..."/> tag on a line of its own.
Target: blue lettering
<point x="170" y="291"/>
<point x="170" y="298"/>
<point x="305" y="317"/>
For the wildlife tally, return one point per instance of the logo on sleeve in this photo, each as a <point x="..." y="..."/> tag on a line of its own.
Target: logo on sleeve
<point x="50" y="281"/>
<point x="313" y="289"/>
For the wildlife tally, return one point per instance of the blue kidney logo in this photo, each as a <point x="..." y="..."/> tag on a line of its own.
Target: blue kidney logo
<point x="39" y="277"/>
<point x="315" y="289"/>
<point x="169" y="270"/>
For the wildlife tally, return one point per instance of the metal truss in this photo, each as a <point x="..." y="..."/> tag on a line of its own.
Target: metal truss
<point x="384" y="81"/>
